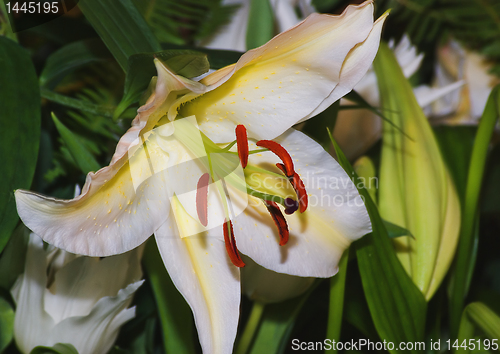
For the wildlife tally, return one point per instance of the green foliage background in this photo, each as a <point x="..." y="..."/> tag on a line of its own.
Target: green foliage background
<point x="69" y="89"/>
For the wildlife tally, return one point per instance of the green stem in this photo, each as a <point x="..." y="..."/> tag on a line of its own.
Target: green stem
<point x="251" y="327"/>
<point x="174" y="313"/>
<point x="337" y="289"/>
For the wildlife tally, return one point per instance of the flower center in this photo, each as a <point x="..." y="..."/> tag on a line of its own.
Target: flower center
<point x="220" y="164"/>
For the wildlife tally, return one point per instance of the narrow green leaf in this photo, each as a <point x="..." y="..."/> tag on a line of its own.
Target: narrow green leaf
<point x="362" y="103"/>
<point x="20" y="133"/>
<point x="121" y="27"/>
<point x="141" y="69"/>
<point x="77" y="104"/>
<point x="59" y="348"/>
<point x="260" y="23"/>
<point x="83" y="158"/>
<point x="6" y="324"/>
<point x="463" y="264"/>
<point x="336" y="308"/>
<point x="277" y="324"/>
<point x="478" y="315"/>
<point x="70" y="57"/>
<point x="175" y="315"/>
<point x="397" y="306"/>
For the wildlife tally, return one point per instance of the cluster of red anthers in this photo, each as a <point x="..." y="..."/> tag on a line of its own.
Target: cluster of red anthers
<point x="290" y="204"/>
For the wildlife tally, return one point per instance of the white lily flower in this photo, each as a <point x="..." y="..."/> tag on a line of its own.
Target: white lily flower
<point x="357" y="130"/>
<point x="233" y="35"/>
<point x="464" y="106"/>
<point x="173" y="176"/>
<point x="82" y="301"/>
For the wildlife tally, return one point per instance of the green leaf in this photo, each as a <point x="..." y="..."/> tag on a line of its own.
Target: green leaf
<point x="217" y="58"/>
<point x="396" y="231"/>
<point x="455" y="143"/>
<point x="277" y="324"/>
<point x="83" y="158"/>
<point x="77" y="104"/>
<point x="6" y="324"/>
<point x="20" y="133"/>
<point x="260" y="23"/>
<point x="397" y="306"/>
<point x="463" y="264"/>
<point x="175" y="314"/>
<point x="478" y="315"/>
<point x="13" y="257"/>
<point x="70" y="57"/>
<point x="59" y="348"/>
<point x="185" y="21"/>
<point x="121" y="27"/>
<point x="336" y="307"/>
<point x="141" y="69"/>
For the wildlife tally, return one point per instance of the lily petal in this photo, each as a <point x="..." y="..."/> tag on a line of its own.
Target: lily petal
<point x="86" y="280"/>
<point x="201" y="270"/>
<point x="276" y="85"/>
<point x="356" y="64"/>
<point x="117" y="194"/>
<point x="120" y="207"/>
<point x="109" y="313"/>
<point x="28" y="295"/>
<point x="335" y="217"/>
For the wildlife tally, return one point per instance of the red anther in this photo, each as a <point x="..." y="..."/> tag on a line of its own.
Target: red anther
<point x="281" y="153"/>
<point x="279" y="220"/>
<point x="230" y="242"/>
<point x="202" y="198"/>
<point x="299" y="187"/>
<point x="242" y="142"/>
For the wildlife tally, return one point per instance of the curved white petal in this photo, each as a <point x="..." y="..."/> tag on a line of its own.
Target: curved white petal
<point x="202" y="272"/>
<point x="79" y="285"/>
<point x="335" y="217"/>
<point x="111" y="216"/>
<point x="276" y="85"/>
<point x="97" y="331"/>
<point x="356" y="64"/>
<point x="31" y="321"/>
<point x="71" y="312"/>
